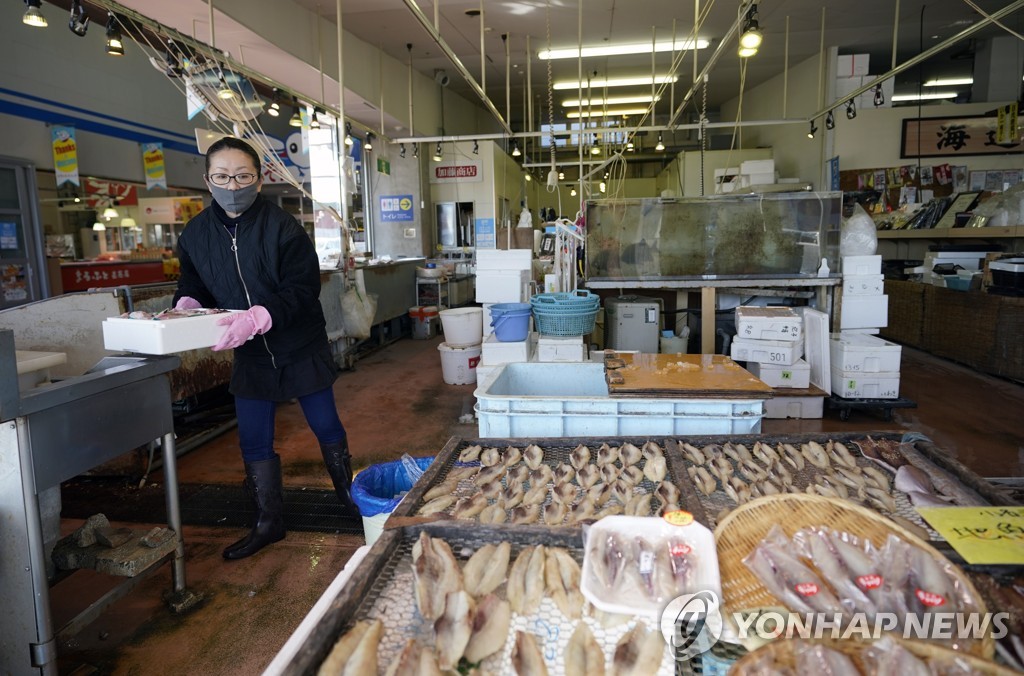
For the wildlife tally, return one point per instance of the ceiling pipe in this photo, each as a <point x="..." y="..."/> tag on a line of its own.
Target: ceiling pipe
<point x="455" y="61"/>
<point x="925" y="55"/>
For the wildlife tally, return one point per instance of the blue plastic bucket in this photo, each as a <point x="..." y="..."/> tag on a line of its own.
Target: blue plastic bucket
<point x="499" y="309"/>
<point x="511" y="327"/>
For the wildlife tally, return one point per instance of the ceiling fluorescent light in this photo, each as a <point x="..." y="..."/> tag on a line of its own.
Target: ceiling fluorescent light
<point x="924" y="97"/>
<point x="610" y="101"/>
<point x="606" y="113"/>
<point x="949" y="82"/>
<point x="618" y="50"/>
<point x="616" y="82"/>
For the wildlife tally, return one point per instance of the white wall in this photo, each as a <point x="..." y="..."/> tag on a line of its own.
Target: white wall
<point x="398" y="238"/>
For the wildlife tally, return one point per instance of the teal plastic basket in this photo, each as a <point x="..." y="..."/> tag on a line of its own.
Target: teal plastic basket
<point x="581" y="299"/>
<point x="564" y="323"/>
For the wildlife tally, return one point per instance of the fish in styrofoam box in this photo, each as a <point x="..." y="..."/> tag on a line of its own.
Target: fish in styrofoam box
<point x="166" y="332"/>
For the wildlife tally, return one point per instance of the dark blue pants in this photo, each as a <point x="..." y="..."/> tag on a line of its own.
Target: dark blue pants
<point x="256" y="423"/>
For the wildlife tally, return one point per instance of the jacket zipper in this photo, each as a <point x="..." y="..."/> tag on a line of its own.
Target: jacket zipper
<point x="245" y="287"/>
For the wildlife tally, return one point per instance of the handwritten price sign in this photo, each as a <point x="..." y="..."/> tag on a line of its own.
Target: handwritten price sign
<point x="982" y="535"/>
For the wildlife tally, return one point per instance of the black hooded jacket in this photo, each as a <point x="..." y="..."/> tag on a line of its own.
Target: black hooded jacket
<point x="270" y="261"/>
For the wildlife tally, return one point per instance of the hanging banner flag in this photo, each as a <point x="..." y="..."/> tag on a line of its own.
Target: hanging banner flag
<point x="153" y="164"/>
<point x="65" y="155"/>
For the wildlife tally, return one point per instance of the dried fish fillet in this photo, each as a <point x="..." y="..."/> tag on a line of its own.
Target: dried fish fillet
<point x="607" y="455"/>
<point x="655" y="469"/>
<point x="564" y="473"/>
<point x="629" y="454"/>
<point x="580" y="456"/>
<point x="513" y="495"/>
<point x="414" y="660"/>
<point x="512" y="456"/>
<point x="462" y="473"/>
<point x="446" y="487"/>
<point x="633" y="474"/>
<point x="490" y="628"/>
<point x="493" y="514"/>
<point x="486" y="569"/>
<point x="583" y="510"/>
<point x="527" y="659"/>
<point x="639" y="505"/>
<point x="695" y="455"/>
<point x="437" y="505"/>
<point x="583" y="655"/>
<point x="536" y="495"/>
<point x="525" y="588"/>
<point x="622" y="491"/>
<point x="492" y="489"/>
<point x="554" y="513"/>
<point x="519" y="473"/>
<point x="356" y="652"/>
<point x="470" y="453"/>
<point x="588" y="476"/>
<point x="609" y="473"/>
<point x="562" y="582"/>
<point x="564" y="493"/>
<point x="639" y="652"/>
<point x="490" y="457"/>
<point x="533" y="456"/>
<point x="488" y="474"/>
<point x="453" y="629"/>
<point x="540" y="476"/>
<point x="468" y="507"/>
<point x="651" y="449"/>
<point x="436" y="573"/>
<point x="667" y="493"/>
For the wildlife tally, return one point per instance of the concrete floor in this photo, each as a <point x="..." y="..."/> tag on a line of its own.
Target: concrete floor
<point x="392" y="403"/>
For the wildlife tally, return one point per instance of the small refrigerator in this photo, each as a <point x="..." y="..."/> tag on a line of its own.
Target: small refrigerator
<point x="632" y="323"/>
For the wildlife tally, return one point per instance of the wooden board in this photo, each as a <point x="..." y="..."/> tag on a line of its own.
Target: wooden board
<point x="692" y="376"/>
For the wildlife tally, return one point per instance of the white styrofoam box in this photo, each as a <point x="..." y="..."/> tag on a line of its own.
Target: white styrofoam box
<point x="722" y="173"/>
<point x="729" y="186"/>
<point x="816" y="337"/>
<point x="854" y="385"/>
<point x="485" y="371"/>
<point x="504" y="259"/>
<point x="859" y="353"/>
<point x="166" y="336"/>
<point x="488" y="329"/>
<point x="851" y="65"/>
<point x="863" y="285"/>
<point x="797" y="375"/>
<point x="768" y="323"/>
<point x="751" y="167"/>
<point x="747" y="180"/>
<point x="502" y="286"/>
<point x="781" y="407"/>
<point x="783" y="352"/>
<point x="869" y="332"/>
<point x="569" y="400"/>
<point x="862" y="265"/>
<point x="864" y="312"/>
<point x="561" y="349"/>
<point x="496" y="352"/>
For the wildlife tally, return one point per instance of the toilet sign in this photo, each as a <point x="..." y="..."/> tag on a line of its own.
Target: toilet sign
<point x="395" y="208"/>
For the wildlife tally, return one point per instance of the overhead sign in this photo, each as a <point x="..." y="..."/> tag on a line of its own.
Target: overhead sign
<point x="153" y="164"/>
<point x="65" y="155"/>
<point x="458" y="171"/>
<point x="396" y="208"/>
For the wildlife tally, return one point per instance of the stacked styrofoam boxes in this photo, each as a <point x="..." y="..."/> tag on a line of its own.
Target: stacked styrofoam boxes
<point x="865" y="308"/>
<point x="559" y="348"/>
<point x="757" y="172"/>
<point x="864" y="367"/>
<point x="768" y="335"/>
<point x="726" y="180"/>
<point x="502" y="276"/>
<point x="495" y="353"/>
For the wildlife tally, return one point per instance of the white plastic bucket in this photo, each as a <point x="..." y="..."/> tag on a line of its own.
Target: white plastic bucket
<point x="463" y="326"/>
<point x="373" y="526"/>
<point x="458" y="364"/>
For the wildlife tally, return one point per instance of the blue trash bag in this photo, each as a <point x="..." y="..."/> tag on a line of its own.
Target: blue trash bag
<point x="376" y="490"/>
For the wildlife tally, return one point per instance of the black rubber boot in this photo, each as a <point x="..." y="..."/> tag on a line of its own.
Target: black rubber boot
<point x="339" y="466"/>
<point x="264" y="479"/>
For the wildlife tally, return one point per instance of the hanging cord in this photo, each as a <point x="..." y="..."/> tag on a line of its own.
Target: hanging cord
<point x="551" y="101"/>
<point x="703" y="132"/>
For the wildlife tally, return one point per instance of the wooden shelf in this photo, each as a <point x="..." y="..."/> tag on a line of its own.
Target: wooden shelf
<point x="1012" y="231"/>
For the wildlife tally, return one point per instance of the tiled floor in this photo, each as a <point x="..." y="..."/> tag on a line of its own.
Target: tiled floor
<point x="395" y="402"/>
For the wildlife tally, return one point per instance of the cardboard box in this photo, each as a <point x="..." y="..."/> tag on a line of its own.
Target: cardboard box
<point x="165" y="336"/>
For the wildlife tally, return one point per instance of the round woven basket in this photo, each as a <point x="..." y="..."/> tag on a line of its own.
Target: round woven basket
<point x="740" y="531"/>
<point x="783" y="653"/>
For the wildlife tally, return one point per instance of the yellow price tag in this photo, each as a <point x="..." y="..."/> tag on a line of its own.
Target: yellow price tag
<point x="982" y="535"/>
<point x="678" y="518"/>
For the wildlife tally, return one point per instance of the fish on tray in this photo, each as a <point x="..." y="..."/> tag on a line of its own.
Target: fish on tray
<point x="489" y="629"/>
<point x="356" y="652"/>
<point x="414" y="660"/>
<point x="436" y="573"/>
<point x="525" y="588"/>
<point x="453" y="629"/>
<point x="639" y="652"/>
<point x="486" y="569"/>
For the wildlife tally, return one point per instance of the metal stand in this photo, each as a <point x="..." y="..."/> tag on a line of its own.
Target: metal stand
<point x="885" y="405"/>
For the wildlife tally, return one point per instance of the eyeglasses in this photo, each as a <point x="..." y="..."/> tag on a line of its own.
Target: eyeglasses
<point x="224" y="179"/>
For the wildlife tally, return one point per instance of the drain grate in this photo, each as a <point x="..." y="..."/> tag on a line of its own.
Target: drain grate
<point x="305" y="509"/>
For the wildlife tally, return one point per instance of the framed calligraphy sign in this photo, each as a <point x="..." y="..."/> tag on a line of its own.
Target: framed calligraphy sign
<point x="955" y="136"/>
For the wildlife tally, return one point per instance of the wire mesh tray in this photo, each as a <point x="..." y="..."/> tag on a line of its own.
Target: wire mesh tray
<point x="556" y="452"/>
<point x="382" y="587"/>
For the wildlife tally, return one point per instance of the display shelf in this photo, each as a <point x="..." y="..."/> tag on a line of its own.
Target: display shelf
<point x="1008" y="232"/>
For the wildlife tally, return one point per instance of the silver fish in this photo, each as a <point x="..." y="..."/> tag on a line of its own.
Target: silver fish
<point x="533" y="456"/>
<point x="629" y="454"/>
<point x="588" y="476"/>
<point x="490" y="457"/>
<point x="580" y="456"/>
<point x="486" y="569"/>
<point x="490" y="628"/>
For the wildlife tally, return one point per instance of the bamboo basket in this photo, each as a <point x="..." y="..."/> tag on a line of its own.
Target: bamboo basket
<point x="783" y="654"/>
<point x="744" y="527"/>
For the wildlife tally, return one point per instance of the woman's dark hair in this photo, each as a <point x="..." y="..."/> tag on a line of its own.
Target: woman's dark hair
<point x="230" y="142"/>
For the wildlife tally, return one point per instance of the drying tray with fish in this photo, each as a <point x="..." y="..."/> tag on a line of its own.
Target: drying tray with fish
<point x="383" y="587"/>
<point x="568" y="480"/>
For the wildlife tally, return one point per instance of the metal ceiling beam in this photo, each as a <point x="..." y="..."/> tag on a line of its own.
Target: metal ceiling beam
<point x="474" y="85"/>
<point x="927" y="54"/>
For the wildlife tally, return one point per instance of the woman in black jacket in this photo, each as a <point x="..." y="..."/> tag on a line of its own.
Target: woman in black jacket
<point x="244" y="253"/>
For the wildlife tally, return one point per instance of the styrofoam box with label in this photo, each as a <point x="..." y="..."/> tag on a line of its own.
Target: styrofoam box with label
<point x="782" y="407"/>
<point x="863" y="285"/>
<point x="796" y="375"/>
<point x="784" y="352"/>
<point x="163" y="336"/>
<point x="504" y="259"/>
<point x="502" y="286"/>
<point x="859" y="353"/>
<point x="854" y="385"/>
<point x="864" y="312"/>
<point x="862" y="265"/>
<point x="768" y="323"/>
<point x="495" y="352"/>
<point x="561" y="349"/>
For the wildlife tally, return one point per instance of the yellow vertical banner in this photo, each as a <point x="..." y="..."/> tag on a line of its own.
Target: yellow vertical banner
<point x="153" y="164"/>
<point x="65" y="155"/>
<point x="1006" y="124"/>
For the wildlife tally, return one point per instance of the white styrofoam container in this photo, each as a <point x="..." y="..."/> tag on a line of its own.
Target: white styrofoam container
<point x="483" y="372"/>
<point x="496" y="352"/>
<point x="816" y="337"/>
<point x="859" y="353"/>
<point x="862" y="265"/>
<point x="768" y="323"/>
<point x="760" y="178"/>
<point x="855" y="385"/>
<point x="750" y="167"/>
<point x="796" y="375"/>
<point x="571" y="400"/>
<point x="503" y="259"/>
<point x="502" y="286"/>
<point x="863" y="285"/>
<point x="561" y="349"/>
<point x="781" y="407"/>
<point x="867" y="332"/>
<point x="150" y="336"/>
<point x="864" y="312"/>
<point x="783" y="352"/>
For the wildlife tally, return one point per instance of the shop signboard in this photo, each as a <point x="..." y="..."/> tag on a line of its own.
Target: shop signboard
<point x="459" y="171"/>
<point x="396" y="208"/>
<point x="83" y="276"/>
<point x="960" y="136"/>
<point x="153" y="164"/>
<point x="65" y="155"/>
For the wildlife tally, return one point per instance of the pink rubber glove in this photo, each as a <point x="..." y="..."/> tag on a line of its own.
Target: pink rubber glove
<point x="187" y="303"/>
<point x="242" y="326"/>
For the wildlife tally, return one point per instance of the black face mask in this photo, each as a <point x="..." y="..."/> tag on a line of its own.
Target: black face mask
<point x="235" y="201"/>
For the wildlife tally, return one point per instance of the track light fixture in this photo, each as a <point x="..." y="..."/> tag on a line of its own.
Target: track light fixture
<point x="78" y="23"/>
<point x="572" y="192"/>
<point x="274" y="110"/>
<point x="528" y="176"/>
<point x="661" y="144"/>
<point x="602" y="186"/>
<point x="401" y="150"/>
<point x="348" y="134"/>
<point x="629" y="146"/>
<point x="851" y="110"/>
<point x="830" y="122"/>
<point x="813" y="131"/>
<point x="561" y="176"/>
<point x="515" y="149"/>
<point x="751" y="37"/>
<point x="438" y="153"/>
<point x="476" y="148"/>
<point x="296" y="119"/>
<point x="369" y="140"/>
<point x="415" y="150"/>
<point x="225" y="92"/>
<point x="33" y="16"/>
<point x="115" y="46"/>
<point x="879" y="97"/>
